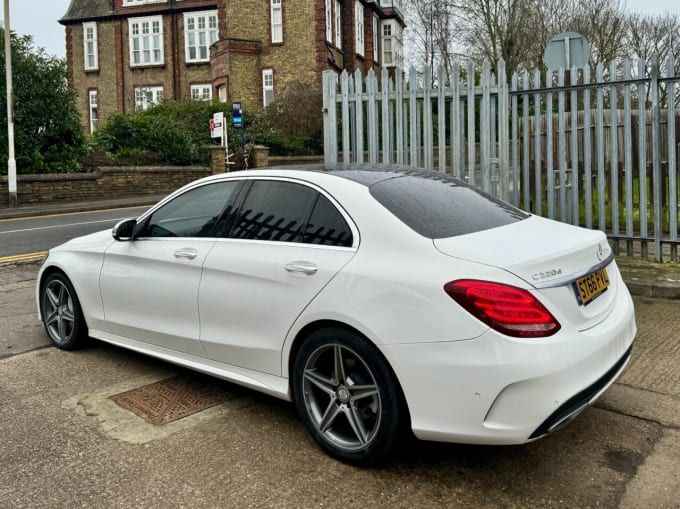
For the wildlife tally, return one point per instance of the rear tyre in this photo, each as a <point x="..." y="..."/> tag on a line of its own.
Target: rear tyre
<point x="61" y="312"/>
<point x="348" y="397"/>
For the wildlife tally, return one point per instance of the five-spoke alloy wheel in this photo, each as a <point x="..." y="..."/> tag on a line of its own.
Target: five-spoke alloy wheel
<point x="347" y="396"/>
<point x="61" y="312"/>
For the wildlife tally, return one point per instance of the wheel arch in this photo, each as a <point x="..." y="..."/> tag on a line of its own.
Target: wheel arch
<point x="46" y="273"/>
<point x="317" y="325"/>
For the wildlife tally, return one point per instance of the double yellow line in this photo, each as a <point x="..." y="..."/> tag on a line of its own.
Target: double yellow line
<point x="28" y="257"/>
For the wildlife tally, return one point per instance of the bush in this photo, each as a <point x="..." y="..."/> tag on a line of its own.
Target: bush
<point x="292" y="124"/>
<point x="48" y="134"/>
<point x="176" y="133"/>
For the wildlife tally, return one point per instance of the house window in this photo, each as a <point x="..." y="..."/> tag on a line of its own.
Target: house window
<point x="267" y="87"/>
<point x="359" y="27"/>
<point x="329" y="21"/>
<point x="94" y="115"/>
<point x="374" y="37"/>
<point x="201" y="92"/>
<point x="200" y="32"/>
<point x="387" y="44"/>
<point x="222" y="94"/>
<point x="146" y="41"/>
<point x="132" y="3"/>
<point x="145" y="97"/>
<point x="277" y="21"/>
<point x="90" y="50"/>
<point x="338" y="24"/>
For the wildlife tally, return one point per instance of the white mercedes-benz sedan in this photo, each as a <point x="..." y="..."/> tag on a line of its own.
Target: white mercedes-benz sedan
<point x="377" y="299"/>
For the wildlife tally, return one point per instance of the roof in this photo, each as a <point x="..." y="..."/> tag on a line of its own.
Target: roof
<point x="80" y="10"/>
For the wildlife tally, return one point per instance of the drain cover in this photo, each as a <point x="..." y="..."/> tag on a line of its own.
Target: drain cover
<point x="174" y="398"/>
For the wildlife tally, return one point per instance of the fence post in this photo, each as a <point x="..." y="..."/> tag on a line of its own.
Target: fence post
<point x="441" y="118"/>
<point x="656" y="157"/>
<point x="672" y="159"/>
<point x="359" y="111"/>
<point x="344" y="89"/>
<point x="399" y="114"/>
<point x="456" y="127"/>
<point x="386" y="117"/>
<point x="372" y="88"/>
<point x="472" y="148"/>
<point x="413" y="125"/>
<point x="614" y="155"/>
<point x="503" y="131"/>
<point x="642" y="154"/>
<point x="330" y="124"/>
<point x="485" y="128"/>
<point x="587" y="150"/>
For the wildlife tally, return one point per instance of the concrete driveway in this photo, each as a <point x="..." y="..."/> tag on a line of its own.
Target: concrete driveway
<point x="65" y="443"/>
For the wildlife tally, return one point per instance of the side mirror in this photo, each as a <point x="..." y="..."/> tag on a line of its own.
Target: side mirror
<point x="124" y="230"/>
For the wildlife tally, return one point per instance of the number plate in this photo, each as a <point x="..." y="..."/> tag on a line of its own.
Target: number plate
<point x="590" y="286"/>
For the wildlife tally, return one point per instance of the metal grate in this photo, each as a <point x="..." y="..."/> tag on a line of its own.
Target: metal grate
<point x="172" y="399"/>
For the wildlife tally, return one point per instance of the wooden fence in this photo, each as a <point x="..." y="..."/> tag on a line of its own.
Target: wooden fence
<point x="559" y="144"/>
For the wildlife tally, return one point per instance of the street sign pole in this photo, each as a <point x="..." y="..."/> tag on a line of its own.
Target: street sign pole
<point x="11" y="161"/>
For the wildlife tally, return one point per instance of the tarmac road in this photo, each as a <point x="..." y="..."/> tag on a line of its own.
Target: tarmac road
<point x="65" y="444"/>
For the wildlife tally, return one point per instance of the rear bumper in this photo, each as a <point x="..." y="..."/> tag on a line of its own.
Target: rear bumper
<point x="499" y="390"/>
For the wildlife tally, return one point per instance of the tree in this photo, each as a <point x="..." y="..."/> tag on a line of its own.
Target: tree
<point x="499" y="29"/>
<point x="519" y="30"/>
<point x="654" y="35"/>
<point x="49" y="136"/>
<point x="432" y="32"/>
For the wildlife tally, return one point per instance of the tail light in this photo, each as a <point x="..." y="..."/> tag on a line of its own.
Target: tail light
<point x="512" y="311"/>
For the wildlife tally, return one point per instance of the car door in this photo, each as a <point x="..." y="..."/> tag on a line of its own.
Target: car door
<point x="283" y="246"/>
<point x="149" y="285"/>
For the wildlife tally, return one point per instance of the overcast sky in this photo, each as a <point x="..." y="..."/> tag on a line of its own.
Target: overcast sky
<point x="39" y="19"/>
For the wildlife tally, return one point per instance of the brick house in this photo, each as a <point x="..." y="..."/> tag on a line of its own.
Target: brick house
<point x="129" y="54"/>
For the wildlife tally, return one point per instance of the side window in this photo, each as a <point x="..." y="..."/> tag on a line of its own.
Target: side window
<point x="274" y="210"/>
<point x="327" y="226"/>
<point x="191" y="214"/>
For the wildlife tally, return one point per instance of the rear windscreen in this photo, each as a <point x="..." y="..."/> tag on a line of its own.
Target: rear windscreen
<point x="438" y="207"/>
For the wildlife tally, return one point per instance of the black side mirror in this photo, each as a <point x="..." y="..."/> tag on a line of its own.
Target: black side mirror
<point x="124" y="230"/>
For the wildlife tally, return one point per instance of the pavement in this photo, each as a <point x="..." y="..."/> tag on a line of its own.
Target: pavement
<point x="644" y="277"/>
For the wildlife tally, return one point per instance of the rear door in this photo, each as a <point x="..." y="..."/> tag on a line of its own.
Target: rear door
<point x="149" y="286"/>
<point x="282" y="247"/>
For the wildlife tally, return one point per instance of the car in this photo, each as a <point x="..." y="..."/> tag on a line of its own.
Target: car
<point x="383" y="301"/>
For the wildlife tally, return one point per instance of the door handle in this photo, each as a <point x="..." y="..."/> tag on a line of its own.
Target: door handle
<point x="305" y="268"/>
<point x="186" y="253"/>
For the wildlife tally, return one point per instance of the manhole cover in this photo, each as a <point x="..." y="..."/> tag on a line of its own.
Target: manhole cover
<point x="172" y="399"/>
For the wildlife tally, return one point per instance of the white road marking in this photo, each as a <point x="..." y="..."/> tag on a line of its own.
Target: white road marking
<point x="62" y="225"/>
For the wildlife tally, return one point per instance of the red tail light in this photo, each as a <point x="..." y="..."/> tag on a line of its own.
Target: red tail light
<point x="512" y="311"/>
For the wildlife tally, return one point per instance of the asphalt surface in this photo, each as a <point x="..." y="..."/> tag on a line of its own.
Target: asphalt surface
<point x="40" y="233"/>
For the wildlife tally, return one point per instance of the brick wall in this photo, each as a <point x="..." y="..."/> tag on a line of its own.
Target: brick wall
<point x="105" y="183"/>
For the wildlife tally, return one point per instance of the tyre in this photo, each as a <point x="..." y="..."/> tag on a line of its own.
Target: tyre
<point x="348" y="397"/>
<point x="61" y="312"/>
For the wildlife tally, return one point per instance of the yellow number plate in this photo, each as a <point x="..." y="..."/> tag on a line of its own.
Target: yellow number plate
<point x="590" y="286"/>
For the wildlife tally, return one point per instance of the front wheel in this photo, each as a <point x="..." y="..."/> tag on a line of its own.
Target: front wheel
<point x="347" y="396"/>
<point x="61" y="312"/>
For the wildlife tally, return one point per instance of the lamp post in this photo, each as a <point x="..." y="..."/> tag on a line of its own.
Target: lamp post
<point x="11" y="162"/>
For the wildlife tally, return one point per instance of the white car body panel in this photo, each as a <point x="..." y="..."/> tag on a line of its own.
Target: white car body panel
<point x="148" y="292"/>
<point x="248" y="300"/>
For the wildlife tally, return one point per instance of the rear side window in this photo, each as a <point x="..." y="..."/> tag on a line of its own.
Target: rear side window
<point x="275" y="211"/>
<point x="326" y="226"/>
<point x="438" y="207"/>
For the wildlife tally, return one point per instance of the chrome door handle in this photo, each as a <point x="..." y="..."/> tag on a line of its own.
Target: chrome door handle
<point x="186" y="254"/>
<point x="306" y="268"/>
